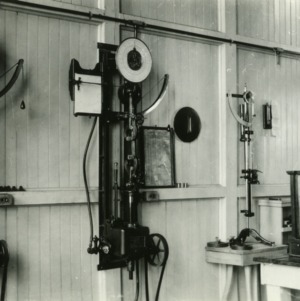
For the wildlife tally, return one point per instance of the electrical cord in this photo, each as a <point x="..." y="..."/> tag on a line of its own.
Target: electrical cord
<point x="146" y="279"/>
<point x="159" y="282"/>
<point x="137" y="275"/>
<point x="86" y="182"/>
<point x="4" y="258"/>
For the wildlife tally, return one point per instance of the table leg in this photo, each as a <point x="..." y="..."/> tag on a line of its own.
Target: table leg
<point x="229" y="274"/>
<point x="247" y="270"/>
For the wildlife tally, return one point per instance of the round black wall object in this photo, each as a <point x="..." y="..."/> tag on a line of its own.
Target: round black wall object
<point x="187" y="124"/>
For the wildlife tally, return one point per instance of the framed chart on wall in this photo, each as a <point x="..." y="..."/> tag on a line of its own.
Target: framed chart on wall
<point x="157" y="156"/>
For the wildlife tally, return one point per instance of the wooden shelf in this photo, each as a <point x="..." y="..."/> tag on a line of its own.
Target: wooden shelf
<point x="199" y="192"/>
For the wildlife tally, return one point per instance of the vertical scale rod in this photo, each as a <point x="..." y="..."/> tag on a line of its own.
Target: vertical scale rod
<point x="132" y="171"/>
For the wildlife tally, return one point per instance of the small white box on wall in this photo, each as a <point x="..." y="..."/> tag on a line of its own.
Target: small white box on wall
<point x="88" y="95"/>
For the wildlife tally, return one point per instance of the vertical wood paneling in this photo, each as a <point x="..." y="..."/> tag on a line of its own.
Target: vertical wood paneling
<point x="53" y="110"/>
<point x="43" y="102"/>
<point x="203" y="14"/>
<point x="75" y="166"/>
<point x="11" y="168"/>
<point x="12" y="276"/>
<point x="3" y="67"/>
<point x="33" y="103"/>
<point x="45" y="263"/>
<point x="22" y="253"/>
<point x="75" y="255"/>
<point x="45" y="251"/>
<point x="65" y="250"/>
<point x="44" y="143"/>
<point x="278" y="85"/>
<point x="270" y="20"/>
<point x="34" y="255"/>
<point x="64" y="104"/>
<point x="21" y="115"/>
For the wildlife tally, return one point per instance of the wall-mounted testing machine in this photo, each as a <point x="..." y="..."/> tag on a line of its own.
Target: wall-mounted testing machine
<point x="122" y="241"/>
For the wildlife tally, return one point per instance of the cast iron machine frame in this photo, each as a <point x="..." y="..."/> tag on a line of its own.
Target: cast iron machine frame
<point x="122" y="241"/>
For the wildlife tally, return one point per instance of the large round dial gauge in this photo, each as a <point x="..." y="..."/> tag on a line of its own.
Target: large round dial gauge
<point x="133" y="60"/>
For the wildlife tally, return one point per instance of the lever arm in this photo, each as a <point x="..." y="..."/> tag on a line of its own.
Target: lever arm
<point x="160" y="96"/>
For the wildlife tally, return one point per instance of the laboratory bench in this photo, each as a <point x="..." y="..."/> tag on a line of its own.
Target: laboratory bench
<point x="233" y="260"/>
<point x="280" y="275"/>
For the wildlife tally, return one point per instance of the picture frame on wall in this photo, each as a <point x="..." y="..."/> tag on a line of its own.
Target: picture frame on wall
<point x="157" y="156"/>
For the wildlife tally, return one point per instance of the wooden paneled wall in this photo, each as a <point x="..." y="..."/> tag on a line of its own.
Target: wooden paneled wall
<point x="42" y="146"/>
<point x="48" y="258"/>
<point x="270" y="20"/>
<point x="42" y="149"/>
<point x="79" y="3"/>
<point x="275" y="151"/>
<point x="202" y="14"/>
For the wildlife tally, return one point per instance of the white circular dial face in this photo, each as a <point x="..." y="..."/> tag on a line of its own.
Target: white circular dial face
<point x="134" y="60"/>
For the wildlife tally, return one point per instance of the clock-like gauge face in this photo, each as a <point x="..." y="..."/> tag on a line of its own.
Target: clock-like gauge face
<point x="134" y="60"/>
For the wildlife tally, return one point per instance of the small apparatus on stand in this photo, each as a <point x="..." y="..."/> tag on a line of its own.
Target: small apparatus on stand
<point x="245" y="119"/>
<point x="122" y="241"/>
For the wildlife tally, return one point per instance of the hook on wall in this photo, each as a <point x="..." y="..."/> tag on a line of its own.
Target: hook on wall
<point x="278" y="53"/>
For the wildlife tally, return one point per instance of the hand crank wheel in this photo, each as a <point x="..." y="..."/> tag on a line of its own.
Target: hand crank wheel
<point x="159" y="250"/>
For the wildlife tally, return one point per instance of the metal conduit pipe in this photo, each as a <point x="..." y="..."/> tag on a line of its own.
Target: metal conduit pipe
<point x="101" y="17"/>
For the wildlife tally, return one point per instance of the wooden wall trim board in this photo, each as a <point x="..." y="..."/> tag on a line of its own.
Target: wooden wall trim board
<point x="265" y="190"/>
<point x="77" y="196"/>
<point x="191" y="193"/>
<point x="48" y="196"/>
<point x="231" y="37"/>
<point x="50" y="13"/>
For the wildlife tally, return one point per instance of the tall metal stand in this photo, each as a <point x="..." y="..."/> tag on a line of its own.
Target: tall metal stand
<point x="250" y="175"/>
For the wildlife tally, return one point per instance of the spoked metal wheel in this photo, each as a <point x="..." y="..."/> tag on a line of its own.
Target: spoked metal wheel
<point x="160" y="250"/>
